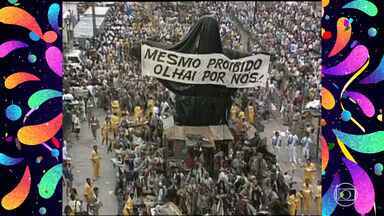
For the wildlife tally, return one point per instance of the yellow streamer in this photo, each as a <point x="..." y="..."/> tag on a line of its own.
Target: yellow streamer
<point x="345" y="151"/>
<point x="361" y="70"/>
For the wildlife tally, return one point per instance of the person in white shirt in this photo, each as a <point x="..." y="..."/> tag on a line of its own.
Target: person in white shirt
<point x="76" y="205"/>
<point x="287" y="178"/>
<point x="83" y="112"/>
<point x="306" y="142"/>
<point x="276" y="143"/>
<point x="292" y="142"/>
<point x="223" y="177"/>
<point x="66" y="156"/>
<point x="164" y="107"/>
<point x="77" y="126"/>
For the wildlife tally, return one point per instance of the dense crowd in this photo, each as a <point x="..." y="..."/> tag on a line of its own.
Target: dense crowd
<point x="249" y="179"/>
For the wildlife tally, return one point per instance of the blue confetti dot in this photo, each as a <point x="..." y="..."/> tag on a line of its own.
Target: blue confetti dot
<point x="13" y="112"/>
<point x="32" y="58"/>
<point x="326" y="17"/>
<point x="372" y="32"/>
<point x="378" y="168"/>
<point x="55" y="153"/>
<point x="42" y="210"/>
<point x="33" y="36"/>
<point x="350" y="20"/>
<point x="39" y="159"/>
<point x="346" y="115"/>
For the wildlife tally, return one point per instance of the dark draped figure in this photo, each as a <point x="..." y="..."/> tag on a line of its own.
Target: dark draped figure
<point x="202" y="104"/>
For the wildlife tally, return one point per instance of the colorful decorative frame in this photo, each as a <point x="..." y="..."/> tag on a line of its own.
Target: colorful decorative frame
<point x="352" y="101"/>
<point x="31" y="64"/>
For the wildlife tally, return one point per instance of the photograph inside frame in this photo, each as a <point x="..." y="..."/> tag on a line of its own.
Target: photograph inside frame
<point x="148" y="132"/>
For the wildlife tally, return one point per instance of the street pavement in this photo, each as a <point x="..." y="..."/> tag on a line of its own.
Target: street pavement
<point x="80" y="152"/>
<point x="272" y="125"/>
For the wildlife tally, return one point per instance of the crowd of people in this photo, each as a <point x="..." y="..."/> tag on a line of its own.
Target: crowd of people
<point x="249" y="180"/>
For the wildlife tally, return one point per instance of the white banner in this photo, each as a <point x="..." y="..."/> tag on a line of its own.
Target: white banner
<point x="216" y="69"/>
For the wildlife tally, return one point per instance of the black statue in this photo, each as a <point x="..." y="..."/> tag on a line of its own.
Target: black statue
<point x="206" y="104"/>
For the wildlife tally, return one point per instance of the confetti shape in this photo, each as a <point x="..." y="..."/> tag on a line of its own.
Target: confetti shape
<point x="376" y="76"/>
<point x="13" y="80"/>
<point x="324" y="153"/>
<point x="343" y="35"/>
<point x="9" y="46"/>
<point x="364" y="6"/>
<point x="36" y="134"/>
<point x="354" y="61"/>
<point x="327" y="99"/>
<point x="50" y="36"/>
<point x="53" y="16"/>
<point x="365" y="143"/>
<point x="18" y="195"/>
<point x="364" y="103"/>
<point x="54" y="58"/>
<point x="363" y="185"/>
<point x="41" y="96"/>
<point x="345" y="151"/>
<point x="17" y="16"/>
<point x="48" y="183"/>
<point x="13" y="112"/>
<point x="6" y="160"/>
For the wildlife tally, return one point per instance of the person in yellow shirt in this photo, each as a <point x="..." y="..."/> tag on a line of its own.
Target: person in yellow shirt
<point x="111" y="133"/>
<point x="251" y="114"/>
<point x="88" y="192"/>
<point x="105" y="132"/>
<point x="95" y="158"/>
<point x="115" y="122"/>
<point x="150" y="105"/>
<point x="292" y="203"/>
<point x="307" y="198"/>
<point x="234" y="112"/>
<point x="128" y="207"/>
<point x="299" y="202"/>
<point x="309" y="171"/>
<point x="318" y="197"/>
<point x="241" y="115"/>
<point x="137" y="113"/>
